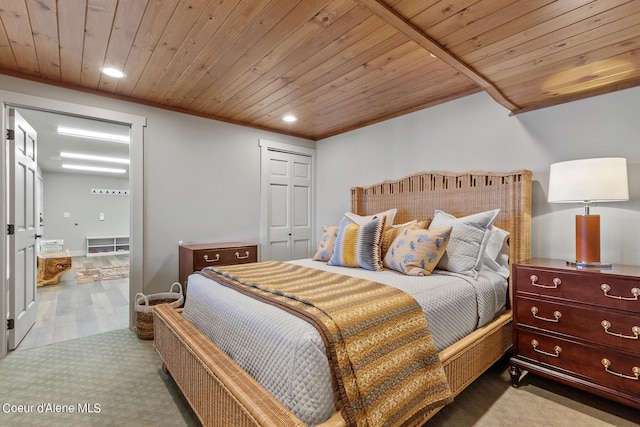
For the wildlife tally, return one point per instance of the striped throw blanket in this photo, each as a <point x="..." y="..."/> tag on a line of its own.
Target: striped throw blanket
<point x="385" y="367"/>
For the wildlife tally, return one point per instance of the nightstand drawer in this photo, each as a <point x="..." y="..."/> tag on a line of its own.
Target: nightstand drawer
<point x="600" y="365"/>
<point x="602" y="290"/>
<point x="211" y="257"/>
<point x="621" y="331"/>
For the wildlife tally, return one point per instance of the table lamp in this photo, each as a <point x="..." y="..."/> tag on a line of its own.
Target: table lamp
<point x="586" y="182"/>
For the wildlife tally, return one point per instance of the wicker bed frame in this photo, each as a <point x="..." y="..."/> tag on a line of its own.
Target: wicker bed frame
<point x="222" y="394"/>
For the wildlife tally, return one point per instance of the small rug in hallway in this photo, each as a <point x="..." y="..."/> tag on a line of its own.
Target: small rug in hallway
<point x="98" y="274"/>
<point x="110" y="379"/>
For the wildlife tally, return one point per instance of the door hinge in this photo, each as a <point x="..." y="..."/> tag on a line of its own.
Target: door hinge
<point x="10" y="229"/>
<point x="10" y="324"/>
<point x="11" y="135"/>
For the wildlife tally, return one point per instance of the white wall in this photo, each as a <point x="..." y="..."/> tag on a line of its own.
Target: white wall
<point x="201" y="178"/>
<point x="71" y="193"/>
<point x="475" y="133"/>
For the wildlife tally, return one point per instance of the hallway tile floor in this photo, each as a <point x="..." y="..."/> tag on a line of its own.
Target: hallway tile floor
<point x="71" y="310"/>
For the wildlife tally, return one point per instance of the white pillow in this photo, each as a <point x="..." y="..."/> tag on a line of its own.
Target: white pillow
<point x="360" y="220"/>
<point x="496" y="254"/>
<point x="466" y="245"/>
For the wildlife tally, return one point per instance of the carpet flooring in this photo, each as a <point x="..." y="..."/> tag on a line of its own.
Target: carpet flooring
<point x="110" y="379"/>
<point x="119" y="378"/>
<point x="490" y="401"/>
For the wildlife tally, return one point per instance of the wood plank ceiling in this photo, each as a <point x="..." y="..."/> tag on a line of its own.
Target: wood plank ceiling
<point x="336" y="64"/>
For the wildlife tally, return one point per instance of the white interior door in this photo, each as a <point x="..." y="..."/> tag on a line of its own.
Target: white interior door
<point x="24" y="219"/>
<point x="290" y="206"/>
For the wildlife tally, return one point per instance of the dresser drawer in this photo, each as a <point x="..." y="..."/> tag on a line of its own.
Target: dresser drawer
<point x="195" y="257"/>
<point x="622" y="330"/>
<point x="212" y="257"/>
<point x="595" y="364"/>
<point x="602" y="290"/>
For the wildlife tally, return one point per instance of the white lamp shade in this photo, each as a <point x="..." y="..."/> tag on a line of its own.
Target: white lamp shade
<point x="589" y="180"/>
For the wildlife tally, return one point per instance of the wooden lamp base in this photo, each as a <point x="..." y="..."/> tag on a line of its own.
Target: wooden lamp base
<point x="588" y="243"/>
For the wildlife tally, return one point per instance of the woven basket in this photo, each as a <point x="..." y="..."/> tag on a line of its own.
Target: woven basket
<point x="144" y="309"/>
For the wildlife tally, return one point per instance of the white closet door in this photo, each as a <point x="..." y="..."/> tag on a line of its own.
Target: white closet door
<point x="290" y="204"/>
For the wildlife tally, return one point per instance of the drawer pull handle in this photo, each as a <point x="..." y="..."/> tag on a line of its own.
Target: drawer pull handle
<point x="556" y="314"/>
<point x="556" y="282"/>
<point x="217" y="258"/>
<point x="635" y="370"/>
<point x="635" y="330"/>
<point x="557" y="349"/>
<point x="242" y="257"/>
<point x="635" y="292"/>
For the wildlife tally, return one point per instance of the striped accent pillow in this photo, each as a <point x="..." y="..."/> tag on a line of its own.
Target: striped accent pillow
<point x="358" y="245"/>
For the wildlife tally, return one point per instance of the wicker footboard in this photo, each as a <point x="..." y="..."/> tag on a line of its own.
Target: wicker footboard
<point x="223" y="394"/>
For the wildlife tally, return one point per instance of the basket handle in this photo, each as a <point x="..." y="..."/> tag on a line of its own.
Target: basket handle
<point x="179" y="287"/>
<point x="144" y="297"/>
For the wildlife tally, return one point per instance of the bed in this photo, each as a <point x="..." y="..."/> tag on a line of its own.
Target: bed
<point x="221" y="393"/>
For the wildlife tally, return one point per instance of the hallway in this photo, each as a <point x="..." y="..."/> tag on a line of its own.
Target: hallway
<point x="71" y="310"/>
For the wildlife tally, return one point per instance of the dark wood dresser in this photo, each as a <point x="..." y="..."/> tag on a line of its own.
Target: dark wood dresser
<point x="578" y="326"/>
<point x="198" y="256"/>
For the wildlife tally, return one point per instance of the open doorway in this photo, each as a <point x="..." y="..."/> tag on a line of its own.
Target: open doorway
<point x="83" y="214"/>
<point x="136" y="123"/>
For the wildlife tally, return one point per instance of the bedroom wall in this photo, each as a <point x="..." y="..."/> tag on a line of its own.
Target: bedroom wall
<point x="475" y="133"/>
<point x="71" y="193"/>
<point x="201" y="178"/>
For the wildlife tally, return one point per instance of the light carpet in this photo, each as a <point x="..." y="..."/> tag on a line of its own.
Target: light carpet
<point x="122" y="375"/>
<point x="111" y="379"/>
<point x="491" y="401"/>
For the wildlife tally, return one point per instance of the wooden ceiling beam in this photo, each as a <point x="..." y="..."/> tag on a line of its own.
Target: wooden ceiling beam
<point x="391" y="17"/>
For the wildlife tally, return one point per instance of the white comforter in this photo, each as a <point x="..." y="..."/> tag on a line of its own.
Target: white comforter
<point x="287" y="355"/>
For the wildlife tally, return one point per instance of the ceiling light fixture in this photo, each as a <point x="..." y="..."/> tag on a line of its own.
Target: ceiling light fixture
<point x="93" y="168"/>
<point x="102" y="136"/>
<point x="113" y="72"/>
<point x="290" y="118"/>
<point x="79" y="156"/>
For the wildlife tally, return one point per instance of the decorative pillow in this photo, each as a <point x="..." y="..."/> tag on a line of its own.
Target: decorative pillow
<point x="358" y="245"/>
<point x="359" y="219"/>
<point x="416" y="251"/>
<point x="390" y="233"/>
<point x="327" y="240"/>
<point x="424" y="223"/>
<point x="496" y="253"/>
<point x="466" y="246"/>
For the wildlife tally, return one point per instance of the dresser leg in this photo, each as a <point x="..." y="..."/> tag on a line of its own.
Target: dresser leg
<point x="514" y="371"/>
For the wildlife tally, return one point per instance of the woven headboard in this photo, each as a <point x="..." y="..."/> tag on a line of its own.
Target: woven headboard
<point x="460" y="194"/>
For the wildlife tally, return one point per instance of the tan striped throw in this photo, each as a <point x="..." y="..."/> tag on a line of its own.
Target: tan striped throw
<point x="385" y="367"/>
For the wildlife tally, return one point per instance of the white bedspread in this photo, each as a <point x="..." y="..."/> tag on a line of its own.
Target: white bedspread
<point x="287" y="355"/>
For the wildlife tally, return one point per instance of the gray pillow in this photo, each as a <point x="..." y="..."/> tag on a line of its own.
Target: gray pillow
<point x="468" y="239"/>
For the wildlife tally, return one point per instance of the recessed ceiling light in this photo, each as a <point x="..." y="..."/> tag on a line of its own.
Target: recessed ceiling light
<point x="79" y="156"/>
<point x="113" y="72"/>
<point x="289" y="118"/>
<point x="93" y="168"/>
<point x="103" y="136"/>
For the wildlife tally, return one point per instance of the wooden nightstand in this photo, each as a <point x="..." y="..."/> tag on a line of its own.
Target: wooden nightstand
<point x="578" y="326"/>
<point x="198" y="256"/>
